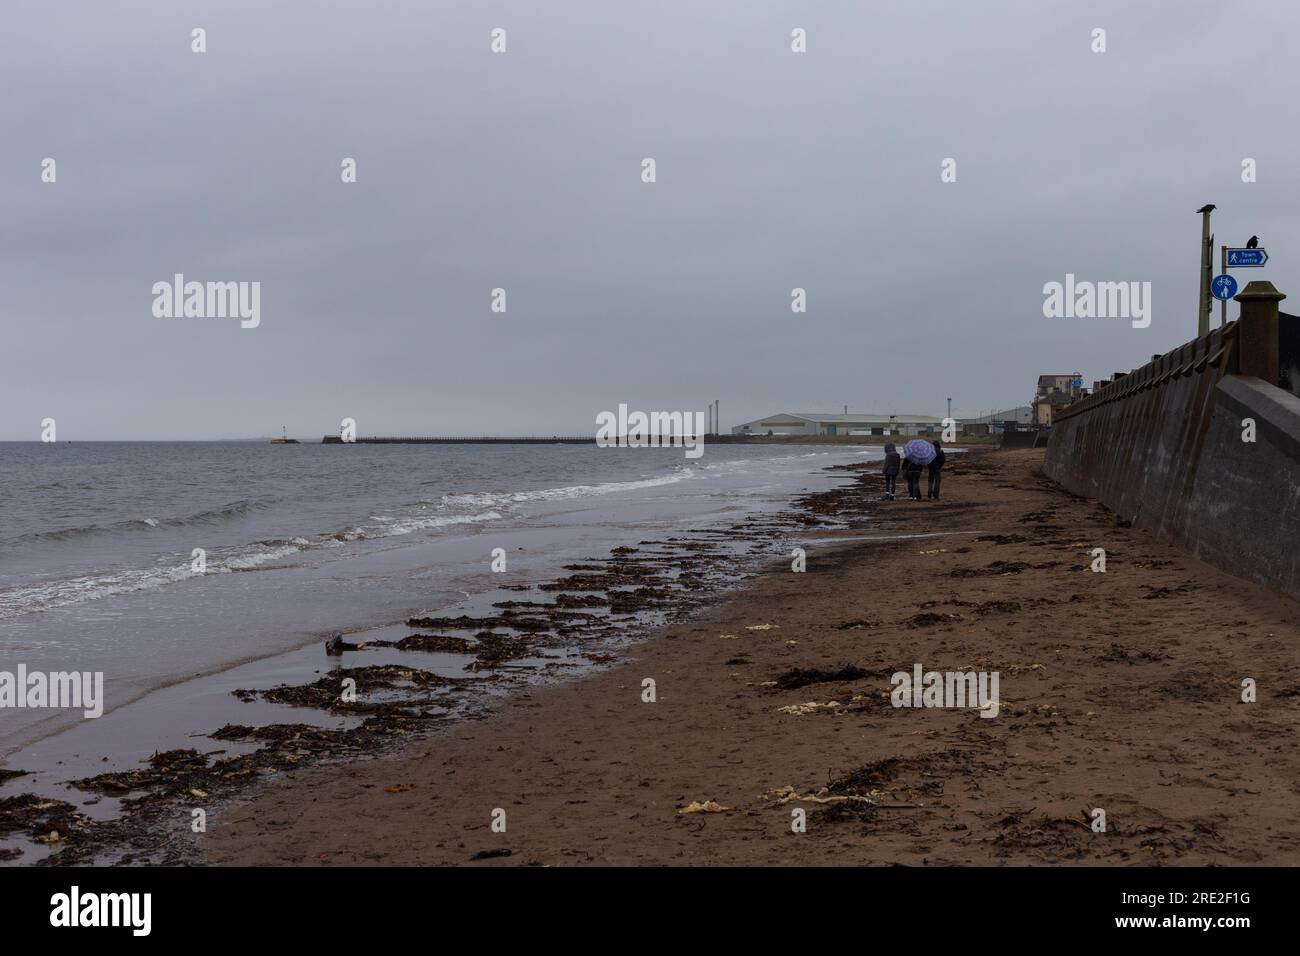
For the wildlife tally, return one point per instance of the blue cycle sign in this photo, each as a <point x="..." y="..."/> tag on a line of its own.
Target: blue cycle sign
<point x="1224" y="286"/>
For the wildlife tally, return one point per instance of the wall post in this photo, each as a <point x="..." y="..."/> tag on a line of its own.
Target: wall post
<point x="1257" y="331"/>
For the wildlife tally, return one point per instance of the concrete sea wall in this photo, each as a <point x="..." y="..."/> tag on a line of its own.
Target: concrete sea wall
<point x="1163" y="447"/>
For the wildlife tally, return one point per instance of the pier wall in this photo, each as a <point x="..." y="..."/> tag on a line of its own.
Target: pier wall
<point x="1163" y="448"/>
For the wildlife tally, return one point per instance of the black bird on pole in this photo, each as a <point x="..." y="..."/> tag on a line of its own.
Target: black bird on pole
<point x="1208" y="207"/>
<point x="1252" y="242"/>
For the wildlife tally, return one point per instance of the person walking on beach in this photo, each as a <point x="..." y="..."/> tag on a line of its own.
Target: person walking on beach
<point x="912" y="472"/>
<point x="936" y="468"/>
<point x="891" y="470"/>
<point x="916" y="454"/>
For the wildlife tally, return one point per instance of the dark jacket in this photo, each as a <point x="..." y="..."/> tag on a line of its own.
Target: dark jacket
<point x="938" y="460"/>
<point x="891" y="461"/>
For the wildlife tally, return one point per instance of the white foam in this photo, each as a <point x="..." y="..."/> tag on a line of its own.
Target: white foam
<point x="438" y="521"/>
<point x="453" y="510"/>
<point x="91" y="587"/>
<point x="566" y="492"/>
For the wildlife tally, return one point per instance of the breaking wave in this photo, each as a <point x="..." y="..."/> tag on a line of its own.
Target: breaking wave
<point x="210" y="516"/>
<point x="89" y="587"/>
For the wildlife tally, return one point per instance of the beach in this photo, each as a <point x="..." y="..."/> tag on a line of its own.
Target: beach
<point x="1120" y="691"/>
<point x="506" y="446"/>
<point x="457" y="575"/>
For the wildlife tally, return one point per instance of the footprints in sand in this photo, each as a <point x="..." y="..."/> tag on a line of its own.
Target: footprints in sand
<point x="1093" y="690"/>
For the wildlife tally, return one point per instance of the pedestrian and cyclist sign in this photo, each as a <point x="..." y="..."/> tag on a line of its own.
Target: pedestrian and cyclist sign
<point x="1245" y="258"/>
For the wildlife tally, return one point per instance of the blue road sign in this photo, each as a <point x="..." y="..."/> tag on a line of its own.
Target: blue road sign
<point x="1246" y="258"/>
<point x="1224" y="286"/>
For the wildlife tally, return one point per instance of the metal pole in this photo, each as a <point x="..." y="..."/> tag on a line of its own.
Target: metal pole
<point x="717" y="416"/>
<point x="1203" y="285"/>
<point x="1223" y="303"/>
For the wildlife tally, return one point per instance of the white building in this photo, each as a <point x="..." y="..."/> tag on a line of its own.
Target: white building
<point x="854" y="423"/>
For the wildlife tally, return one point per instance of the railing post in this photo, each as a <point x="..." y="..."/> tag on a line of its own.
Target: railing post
<point x="1257" y="331"/>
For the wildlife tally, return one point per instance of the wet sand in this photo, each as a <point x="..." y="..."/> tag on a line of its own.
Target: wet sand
<point x="1119" y="691"/>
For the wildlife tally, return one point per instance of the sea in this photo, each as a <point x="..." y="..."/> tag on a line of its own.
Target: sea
<point x="181" y="569"/>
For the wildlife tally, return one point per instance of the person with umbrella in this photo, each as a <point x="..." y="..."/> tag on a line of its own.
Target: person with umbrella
<point x="936" y="466"/>
<point x="916" y="455"/>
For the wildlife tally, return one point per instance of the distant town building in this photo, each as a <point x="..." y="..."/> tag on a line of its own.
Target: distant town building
<point x="1055" y="392"/>
<point x="853" y="423"/>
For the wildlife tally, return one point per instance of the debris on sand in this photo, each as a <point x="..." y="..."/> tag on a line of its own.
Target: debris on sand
<point x="800" y="710"/>
<point x="929" y="619"/>
<point x="508" y="618"/>
<point x="856" y="625"/>
<point x="997" y="607"/>
<point x="997" y="567"/>
<point x="570" y="601"/>
<point x="803" y="676"/>
<point x="708" y="806"/>
<point x="869" y="778"/>
<point x="335" y="646"/>
<point x="37" y="816"/>
<point x="333" y="693"/>
<point x="789" y="794"/>
<point x="443" y="643"/>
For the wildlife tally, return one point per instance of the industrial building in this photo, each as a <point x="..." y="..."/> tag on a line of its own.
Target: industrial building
<point x="1021" y="415"/>
<point x="851" y="423"/>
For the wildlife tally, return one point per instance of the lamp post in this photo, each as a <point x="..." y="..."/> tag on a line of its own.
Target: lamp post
<point x="1203" y="295"/>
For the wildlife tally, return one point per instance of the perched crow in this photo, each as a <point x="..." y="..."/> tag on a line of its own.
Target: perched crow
<point x="1252" y="242"/>
<point x="1208" y="207"/>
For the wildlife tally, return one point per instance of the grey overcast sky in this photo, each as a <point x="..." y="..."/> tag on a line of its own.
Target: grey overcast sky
<point x="522" y="170"/>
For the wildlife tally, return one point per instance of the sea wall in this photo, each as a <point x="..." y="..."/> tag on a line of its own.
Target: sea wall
<point x="1163" y="447"/>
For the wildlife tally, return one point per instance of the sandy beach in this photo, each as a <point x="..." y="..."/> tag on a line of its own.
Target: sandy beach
<point x="1120" y="691"/>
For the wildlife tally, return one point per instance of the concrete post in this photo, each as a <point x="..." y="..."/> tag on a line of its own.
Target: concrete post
<point x="1203" y="295"/>
<point x="1257" y="331"/>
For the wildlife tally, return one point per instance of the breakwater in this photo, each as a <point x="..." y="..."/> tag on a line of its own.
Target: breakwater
<point x="485" y="440"/>
<point x="591" y="440"/>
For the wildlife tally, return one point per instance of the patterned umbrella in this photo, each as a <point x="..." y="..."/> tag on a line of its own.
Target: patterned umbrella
<point x="919" y="451"/>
